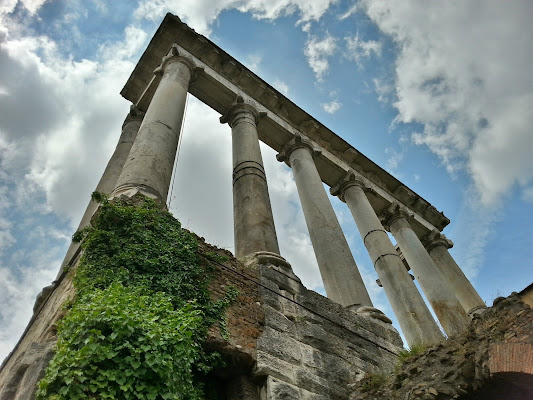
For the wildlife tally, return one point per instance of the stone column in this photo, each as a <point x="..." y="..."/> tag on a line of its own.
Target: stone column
<point x="148" y="168"/>
<point x="342" y="280"/>
<point x="449" y="311"/>
<point x="109" y="178"/>
<point x="437" y="246"/>
<point x="414" y="317"/>
<point x="253" y="222"/>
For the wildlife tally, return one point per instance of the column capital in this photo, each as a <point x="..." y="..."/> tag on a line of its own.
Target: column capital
<point x="174" y="56"/>
<point x="298" y="142"/>
<point x="134" y="115"/>
<point x="349" y="180"/>
<point x="242" y="110"/>
<point x="435" y="239"/>
<point x="392" y="214"/>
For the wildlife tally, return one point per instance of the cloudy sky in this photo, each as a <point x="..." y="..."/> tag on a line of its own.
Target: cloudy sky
<point x="440" y="94"/>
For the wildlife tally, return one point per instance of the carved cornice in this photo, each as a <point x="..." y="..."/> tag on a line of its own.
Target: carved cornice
<point x="242" y="111"/>
<point x="298" y="142"/>
<point x="349" y="180"/>
<point x="435" y="239"/>
<point x="392" y="214"/>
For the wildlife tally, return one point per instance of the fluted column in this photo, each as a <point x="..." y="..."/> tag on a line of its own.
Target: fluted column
<point x="449" y="311"/>
<point x="148" y="169"/>
<point x="341" y="278"/>
<point x="437" y="246"/>
<point x="414" y="317"/>
<point x="109" y="178"/>
<point x="254" y="228"/>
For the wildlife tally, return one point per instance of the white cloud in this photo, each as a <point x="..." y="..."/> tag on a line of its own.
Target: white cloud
<point x="332" y="107"/>
<point x="472" y="230"/>
<point x="281" y="86"/>
<point x="56" y="135"/>
<point x="67" y="142"/>
<point x="18" y="289"/>
<point x="200" y="14"/>
<point x="527" y="194"/>
<point x="384" y="90"/>
<point x="32" y="6"/>
<point x="358" y="49"/>
<point x="468" y="84"/>
<point x="253" y="61"/>
<point x="317" y="53"/>
<point x="351" y="11"/>
<point x="394" y="158"/>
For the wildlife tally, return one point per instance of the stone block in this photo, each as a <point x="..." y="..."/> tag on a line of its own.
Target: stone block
<point x="311" y="357"/>
<point x="307" y="395"/>
<point x="278" y="321"/>
<point x="284" y="281"/>
<point x="270" y="296"/>
<point x="279" y="345"/>
<point x="315" y="336"/>
<point x="279" y="390"/>
<point x="321" y="305"/>
<point x="268" y="364"/>
<point x="311" y="382"/>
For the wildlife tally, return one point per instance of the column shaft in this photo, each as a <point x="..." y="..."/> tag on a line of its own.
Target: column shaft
<point x="148" y="169"/>
<point x="453" y="275"/>
<point x="446" y="306"/>
<point x="341" y="278"/>
<point x="111" y="173"/>
<point x="414" y="317"/>
<point x="254" y="228"/>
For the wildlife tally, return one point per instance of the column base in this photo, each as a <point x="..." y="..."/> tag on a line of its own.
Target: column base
<point x="273" y="260"/>
<point x="373" y="313"/>
<point x="131" y="190"/>
<point x="476" y="311"/>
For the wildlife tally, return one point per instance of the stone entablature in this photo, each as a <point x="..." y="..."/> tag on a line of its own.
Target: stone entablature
<point x="220" y="78"/>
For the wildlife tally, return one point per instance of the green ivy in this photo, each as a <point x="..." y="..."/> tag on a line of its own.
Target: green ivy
<point x="141" y="313"/>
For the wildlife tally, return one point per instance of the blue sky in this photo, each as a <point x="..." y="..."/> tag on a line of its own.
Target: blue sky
<point x="439" y="94"/>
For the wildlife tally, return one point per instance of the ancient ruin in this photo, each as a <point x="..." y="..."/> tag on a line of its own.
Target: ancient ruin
<point x="285" y="342"/>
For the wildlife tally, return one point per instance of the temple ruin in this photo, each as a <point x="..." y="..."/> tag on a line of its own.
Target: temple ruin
<point x="309" y="346"/>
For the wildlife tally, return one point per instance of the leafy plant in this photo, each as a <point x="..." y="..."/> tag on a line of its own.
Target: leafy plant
<point x="404" y="355"/>
<point x="373" y="381"/>
<point x="142" y="310"/>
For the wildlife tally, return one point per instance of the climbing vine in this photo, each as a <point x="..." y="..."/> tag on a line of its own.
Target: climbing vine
<point x="141" y="312"/>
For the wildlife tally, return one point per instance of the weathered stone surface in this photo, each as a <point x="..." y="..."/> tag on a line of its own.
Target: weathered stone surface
<point x="341" y="278"/>
<point x="410" y="309"/>
<point x="279" y="390"/>
<point x="149" y="165"/>
<point x="315" y="344"/>
<point x="253" y="222"/>
<point x="278" y="321"/>
<point x="269" y="365"/>
<point x="279" y="345"/>
<point x="29" y="370"/>
<point x="443" y="300"/>
<point x="31" y="354"/>
<point x="492" y="360"/>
